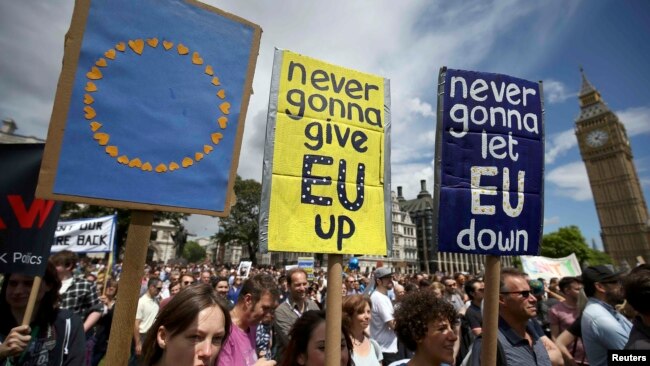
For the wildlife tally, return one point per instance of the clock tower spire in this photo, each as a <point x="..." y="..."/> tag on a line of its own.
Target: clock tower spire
<point x="607" y="154"/>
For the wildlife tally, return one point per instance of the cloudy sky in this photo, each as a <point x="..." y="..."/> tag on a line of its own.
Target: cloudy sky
<point x="406" y="42"/>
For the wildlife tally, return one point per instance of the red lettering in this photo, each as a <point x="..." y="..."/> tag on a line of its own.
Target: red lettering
<point x="26" y="217"/>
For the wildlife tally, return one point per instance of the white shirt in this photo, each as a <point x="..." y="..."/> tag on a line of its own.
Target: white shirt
<point x="381" y="314"/>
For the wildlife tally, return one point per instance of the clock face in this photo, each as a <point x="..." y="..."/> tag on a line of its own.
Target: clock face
<point x="597" y="138"/>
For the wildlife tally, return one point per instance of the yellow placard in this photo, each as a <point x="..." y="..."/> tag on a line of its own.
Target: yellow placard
<point x="327" y="181"/>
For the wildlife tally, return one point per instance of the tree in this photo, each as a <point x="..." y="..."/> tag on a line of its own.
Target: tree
<point x="193" y="252"/>
<point x="242" y="225"/>
<point x="569" y="240"/>
<point x="72" y="211"/>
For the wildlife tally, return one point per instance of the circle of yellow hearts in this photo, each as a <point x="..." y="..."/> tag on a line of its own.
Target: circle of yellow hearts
<point x="138" y="47"/>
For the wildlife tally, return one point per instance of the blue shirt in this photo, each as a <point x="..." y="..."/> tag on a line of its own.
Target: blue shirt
<point x="603" y="328"/>
<point x="516" y="349"/>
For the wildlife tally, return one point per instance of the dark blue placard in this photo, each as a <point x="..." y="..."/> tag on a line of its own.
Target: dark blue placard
<point x="473" y="135"/>
<point x="27" y="224"/>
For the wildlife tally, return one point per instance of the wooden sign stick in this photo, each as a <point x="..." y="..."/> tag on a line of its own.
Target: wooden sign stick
<point x="31" y="303"/>
<point x="137" y="240"/>
<point x="333" y="310"/>
<point x="490" y="310"/>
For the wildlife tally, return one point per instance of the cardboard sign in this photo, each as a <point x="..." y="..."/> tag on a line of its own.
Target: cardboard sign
<point x="244" y="269"/>
<point x="149" y="113"/>
<point x="326" y="180"/>
<point x="85" y="235"/>
<point x="547" y="268"/>
<point x="488" y="194"/>
<point x="26" y="223"/>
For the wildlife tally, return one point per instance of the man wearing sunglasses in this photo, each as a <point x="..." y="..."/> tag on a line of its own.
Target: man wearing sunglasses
<point x="518" y="342"/>
<point x="603" y="328"/>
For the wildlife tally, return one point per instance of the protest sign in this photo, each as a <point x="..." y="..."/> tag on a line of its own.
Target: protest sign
<point x="244" y="269"/>
<point x="26" y="223"/>
<point x="307" y="263"/>
<point x="489" y="164"/>
<point x="85" y="235"/>
<point x="326" y="160"/>
<point x="547" y="268"/>
<point x="149" y="113"/>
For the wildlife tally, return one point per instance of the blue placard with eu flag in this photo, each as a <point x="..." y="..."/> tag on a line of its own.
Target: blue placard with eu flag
<point x="151" y="105"/>
<point x="488" y="196"/>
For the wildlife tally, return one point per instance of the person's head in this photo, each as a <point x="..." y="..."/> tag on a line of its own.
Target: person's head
<point x="553" y="283"/>
<point x="282" y="282"/>
<point x="460" y="279"/>
<point x="425" y="324"/>
<point x="475" y="290"/>
<point x="350" y="281"/>
<point x="111" y="288"/>
<point x="154" y="286"/>
<point x="174" y="287"/>
<point x="14" y="297"/>
<point x="437" y="289"/>
<point x="258" y="296"/>
<point x="297" y="283"/>
<point x="637" y="289"/>
<point x="221" y="286"/>
<point x="517" y="304"/>
<point x="175" y="276"/>
<point x="307" y="342"/>
<point x="603" y="283"/>
<point x="570" y="288"/>
<point x="64" y="261"/>
<point x="189" y="330"/>
<point x="399" y="292"/>
<point x="384" y="279"/>
<point x="186" y="280"/>
<point x="450" y="285"/>
<point x="356" y="311"/>
<point x="206" y="276"/>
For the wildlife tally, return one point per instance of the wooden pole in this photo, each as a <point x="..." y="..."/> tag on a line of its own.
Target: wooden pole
<point x="490" y="310"/>
<point x="137" y="240"/>
<point x="31" y="303"/>
<point x="108" y="272"/>
<point x="333" y="310"/>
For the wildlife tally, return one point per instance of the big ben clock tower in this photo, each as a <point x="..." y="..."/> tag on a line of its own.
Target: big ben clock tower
<point x="607" y="154"/>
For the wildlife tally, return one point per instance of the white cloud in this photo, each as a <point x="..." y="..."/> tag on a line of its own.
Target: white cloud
<point x="571" y="181"/>
<point x="558" y="144"/>
<point x="636" y="120"/>
<point x="556" y="92"/>
<point x="552" y="221"/>
<point x="201" y="225"/>
<point x="422" y="108"/>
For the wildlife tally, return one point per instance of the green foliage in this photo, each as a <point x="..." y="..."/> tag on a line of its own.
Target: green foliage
<point x="242" y="225"/>
<point x="72" y="211"/>
<point x="193" y="252"/>
<point x="569" y="240"/>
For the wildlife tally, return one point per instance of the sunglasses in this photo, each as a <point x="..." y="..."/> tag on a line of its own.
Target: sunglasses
<point x="187" y="282"/>
<point x="523" y="294"/>
<point x="158" y="288"/>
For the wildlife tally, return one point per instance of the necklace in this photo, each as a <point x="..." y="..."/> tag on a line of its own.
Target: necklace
<point x="357" y="342"/>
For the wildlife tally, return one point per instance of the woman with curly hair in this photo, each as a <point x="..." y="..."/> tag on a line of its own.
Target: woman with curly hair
<point x="425" y="324"/>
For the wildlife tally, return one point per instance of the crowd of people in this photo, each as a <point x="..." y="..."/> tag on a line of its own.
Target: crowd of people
<point x="203" y="314"/>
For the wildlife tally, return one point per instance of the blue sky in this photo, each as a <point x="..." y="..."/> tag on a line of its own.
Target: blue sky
<point x="407" y="42"/>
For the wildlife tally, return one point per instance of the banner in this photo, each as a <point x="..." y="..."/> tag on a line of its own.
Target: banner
<point x="85" y="235"/>
<point x="26" y="223"/>
<point x="326" y="160"/>
<point x="547" y="268"/>
<point x="150" y="108"/>
<point x="488" y="192"/>
<point x="244" y="269"/>
<point x="307" y="263"/>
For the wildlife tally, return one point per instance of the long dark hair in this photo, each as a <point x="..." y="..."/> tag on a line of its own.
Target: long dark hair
<point x="179" y="313"/>
<point x="45" y="310"/>
<point x="301" y="334"/>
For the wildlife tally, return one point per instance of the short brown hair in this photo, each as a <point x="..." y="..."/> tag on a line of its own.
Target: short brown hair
<point x="509" y="272"/>
<point x="294" y="270"/>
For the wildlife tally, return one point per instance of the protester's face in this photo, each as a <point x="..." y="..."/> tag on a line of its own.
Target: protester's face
<point x="613" y="292"/>
<point x="18" y="289"/>
<point x="175" y="289"/>
<point x="265" y="305"/>
<point x="387" y="282"/>
<point x="479" y="291"/>
<point x="460" y="280"/>
<point x="573" y="290"/>
<point x="186" y="281"/>
<point x="344" y="290"/>
<point x="198" y="344"/>
<point x="205" y="277"/>
<point x="514" y="303"/>
<point x="154" y="290"/>
<point x="450" y="286"/>
<point x="222" y="288"/>
<point x="314" y="355"/>
<point x="111" y="291"/>
<point x="436" y="292"/>
<point x="349" y="282"/>
<point x="299" y="286"/>
<point x="363" y="318"/>
<point x="438" y="343"/>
